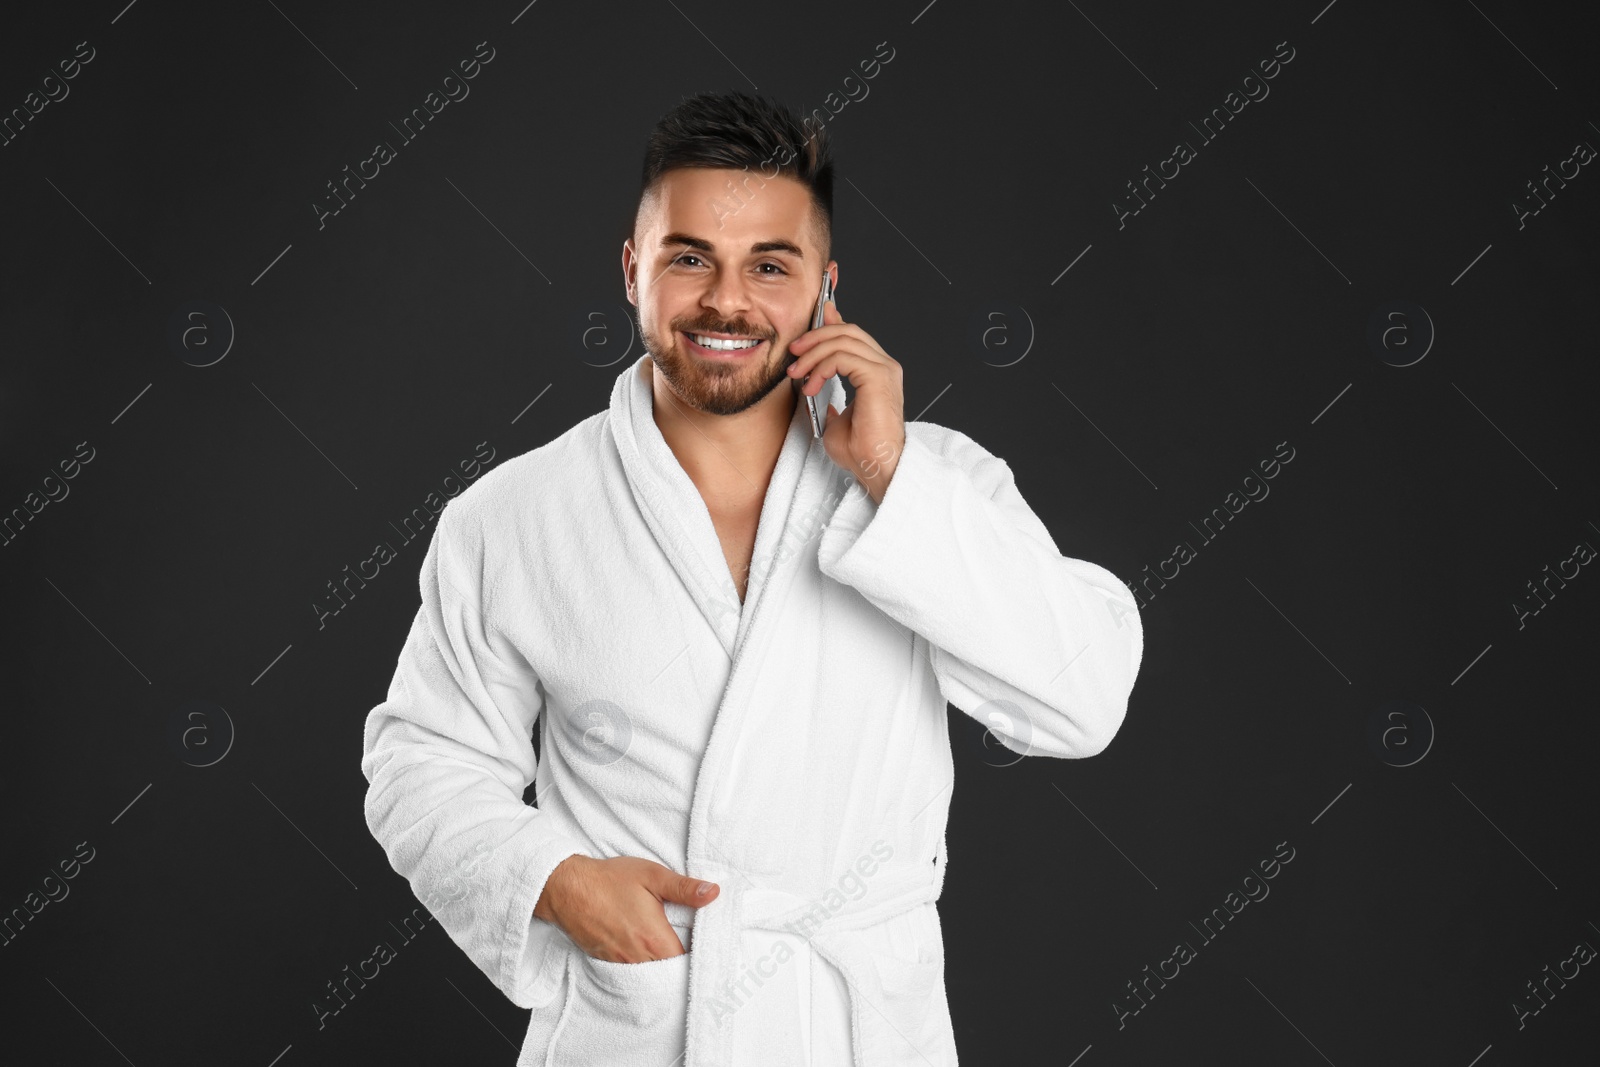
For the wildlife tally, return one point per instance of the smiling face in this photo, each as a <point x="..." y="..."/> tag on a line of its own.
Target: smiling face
<point x="707" y="271"/>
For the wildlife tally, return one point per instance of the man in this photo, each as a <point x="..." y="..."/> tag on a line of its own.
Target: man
<point x="737" y="643"/>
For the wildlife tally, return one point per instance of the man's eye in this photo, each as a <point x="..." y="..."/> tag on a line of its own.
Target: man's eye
<point x="684" y="256"/>
<point x="775" y="267"/>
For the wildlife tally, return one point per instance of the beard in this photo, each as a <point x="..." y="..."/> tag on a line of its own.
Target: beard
<point x="716" y="388"/>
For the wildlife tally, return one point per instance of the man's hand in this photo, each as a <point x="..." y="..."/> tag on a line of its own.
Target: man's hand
<point x="867" y="437"/>
<point x="611" y="908"/>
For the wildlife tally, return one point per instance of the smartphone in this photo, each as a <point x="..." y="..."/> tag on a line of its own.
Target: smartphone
<point x="814" y="403"/>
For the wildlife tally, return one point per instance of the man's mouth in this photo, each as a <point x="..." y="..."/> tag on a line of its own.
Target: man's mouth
<point x="720" y="346"/>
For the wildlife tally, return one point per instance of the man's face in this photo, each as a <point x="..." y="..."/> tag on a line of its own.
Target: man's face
<point x="704" y="264"/>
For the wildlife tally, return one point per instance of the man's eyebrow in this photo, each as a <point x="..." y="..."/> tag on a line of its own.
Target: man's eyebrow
<point x="676" y="239"/>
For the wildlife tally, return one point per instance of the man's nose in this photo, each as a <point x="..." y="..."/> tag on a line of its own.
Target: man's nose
<point x="728" y="296"/>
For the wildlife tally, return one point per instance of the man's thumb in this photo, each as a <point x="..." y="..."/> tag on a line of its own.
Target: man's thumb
<point x="685" y="890"/>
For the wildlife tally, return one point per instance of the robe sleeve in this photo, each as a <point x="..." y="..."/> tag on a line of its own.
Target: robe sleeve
<point x="447" y="757"/>
<point x="1041" y="648"/>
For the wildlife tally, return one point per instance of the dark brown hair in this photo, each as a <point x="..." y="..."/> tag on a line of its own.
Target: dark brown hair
<point x="745" y="133"/>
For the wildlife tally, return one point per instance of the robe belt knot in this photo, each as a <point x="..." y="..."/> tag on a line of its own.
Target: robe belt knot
<point x="716" y="946"/>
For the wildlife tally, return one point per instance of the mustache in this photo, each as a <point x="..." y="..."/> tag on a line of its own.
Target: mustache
<point x="743" y="329"/>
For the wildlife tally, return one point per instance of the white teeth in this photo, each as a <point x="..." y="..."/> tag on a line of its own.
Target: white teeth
<point x="725" y="346"/>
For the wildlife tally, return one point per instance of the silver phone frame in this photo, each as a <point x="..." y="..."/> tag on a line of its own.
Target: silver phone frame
<point x="817" y="410"/>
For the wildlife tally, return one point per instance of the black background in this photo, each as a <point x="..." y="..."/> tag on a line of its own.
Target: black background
<point x="1180" y="348"/>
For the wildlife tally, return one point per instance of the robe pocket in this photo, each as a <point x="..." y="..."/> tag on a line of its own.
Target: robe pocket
<point x="911" y="989"/>
<point x="623" y="1014"/>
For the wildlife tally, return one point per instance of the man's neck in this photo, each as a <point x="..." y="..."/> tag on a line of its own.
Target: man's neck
<point x="726" y="456"/>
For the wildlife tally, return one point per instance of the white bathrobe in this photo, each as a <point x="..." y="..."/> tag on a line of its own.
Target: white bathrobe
<point x="793" y="749"/>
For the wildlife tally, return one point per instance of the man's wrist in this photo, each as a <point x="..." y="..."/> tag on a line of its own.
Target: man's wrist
<point x="548" y="906"/>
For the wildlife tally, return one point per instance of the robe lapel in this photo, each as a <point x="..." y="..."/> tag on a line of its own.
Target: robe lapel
<point x="677" y="514"/>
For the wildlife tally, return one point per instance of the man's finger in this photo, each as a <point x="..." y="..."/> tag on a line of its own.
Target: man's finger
<point x="682" y="889"/>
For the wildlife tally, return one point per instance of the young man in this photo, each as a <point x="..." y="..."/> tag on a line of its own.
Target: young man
<point x="738" y="643"/>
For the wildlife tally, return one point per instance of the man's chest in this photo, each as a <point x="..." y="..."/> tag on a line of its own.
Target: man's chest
<point x="736" y="532"/>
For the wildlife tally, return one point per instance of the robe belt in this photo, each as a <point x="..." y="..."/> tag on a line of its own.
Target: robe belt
<point x="717" y="943"/>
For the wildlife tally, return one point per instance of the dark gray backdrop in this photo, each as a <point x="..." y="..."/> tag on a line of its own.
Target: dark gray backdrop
<point x="1353" y="267"/>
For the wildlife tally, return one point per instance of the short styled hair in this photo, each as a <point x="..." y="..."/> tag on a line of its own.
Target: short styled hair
<point x="746" y="133"/>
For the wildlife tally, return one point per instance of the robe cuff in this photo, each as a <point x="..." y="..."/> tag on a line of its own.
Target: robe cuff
<point x="954" y="554"/>
<point x="862" y="535"/>
<point x="530" y="966"/>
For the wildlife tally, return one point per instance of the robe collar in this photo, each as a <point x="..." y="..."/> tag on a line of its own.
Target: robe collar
<point x="677" y="514"/>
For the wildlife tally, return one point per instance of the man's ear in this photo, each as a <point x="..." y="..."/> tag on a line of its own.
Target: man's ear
<point x="630" y="271"/>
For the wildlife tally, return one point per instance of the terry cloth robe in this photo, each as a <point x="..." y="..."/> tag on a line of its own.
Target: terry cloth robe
<point x="792" y="748"/>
